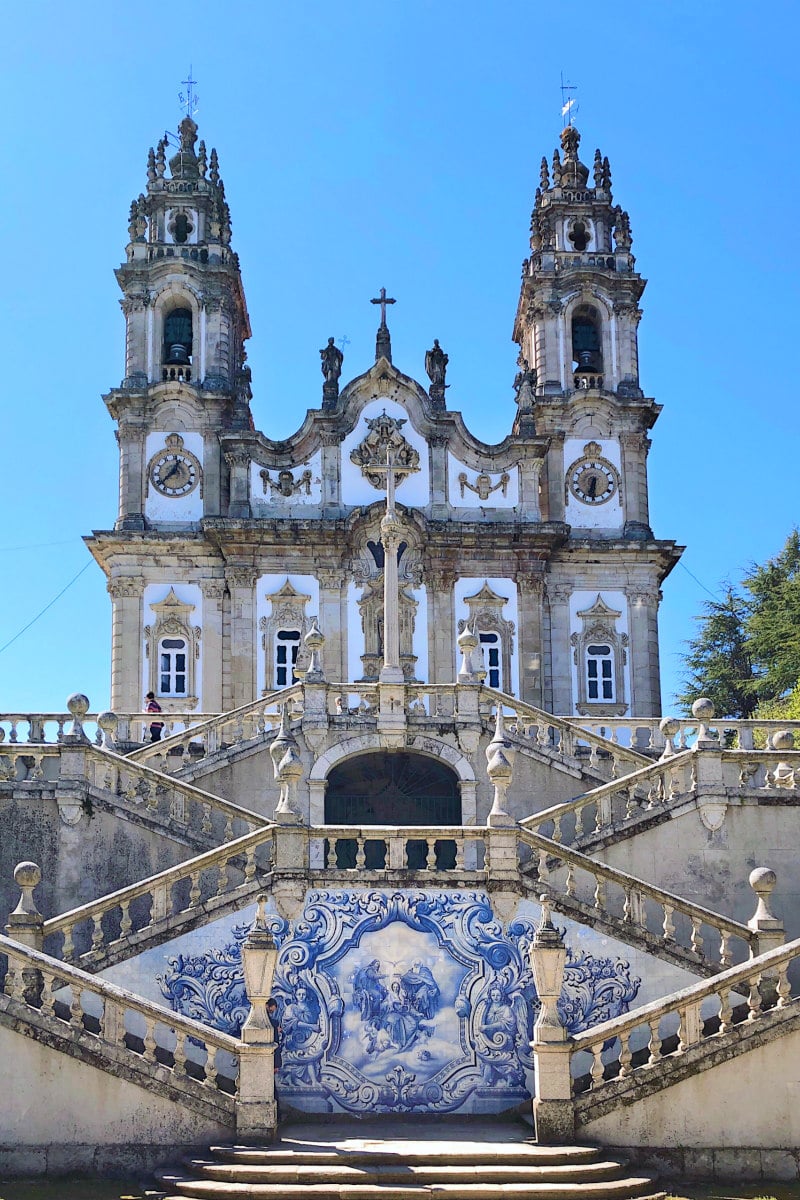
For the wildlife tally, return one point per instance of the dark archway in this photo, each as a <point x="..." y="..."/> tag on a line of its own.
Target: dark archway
<point x="393" y="789"/>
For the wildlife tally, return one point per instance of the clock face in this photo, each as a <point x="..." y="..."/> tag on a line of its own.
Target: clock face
<point x="174" y="473"/>
<point x="592" y="480"/>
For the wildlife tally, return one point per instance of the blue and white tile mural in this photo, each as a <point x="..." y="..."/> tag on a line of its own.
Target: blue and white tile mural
<point x="399" y="1001"/>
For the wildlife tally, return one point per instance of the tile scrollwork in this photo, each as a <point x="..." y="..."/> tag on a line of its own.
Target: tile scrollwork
<point x="404" y="1001"/>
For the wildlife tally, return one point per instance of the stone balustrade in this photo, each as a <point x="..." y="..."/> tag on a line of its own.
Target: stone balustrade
<point x="645" y="734"/>
<point x="659" y="1035"/>
<point x="180" y="805"/>
<point x="353" y="849"/>
<point x="661" y="922"/>
<point x="610" y="805"/>
<point x="111" y="928"/>
<point x="50" y="728"/>
<point x="23" y="763"/>
<point x="120" y="1029"/>
<point x="762" y="770"/>
<point x="208" y="736"/>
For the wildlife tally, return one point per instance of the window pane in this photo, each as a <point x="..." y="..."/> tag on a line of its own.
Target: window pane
<point x="494" y="657"/>
<point x="165" y="664"/>
<point x="591" y="668"/>
<point x="592" y="689"/>
<point x="280" y="677"/>
<point x="295" y="652"/>
<point x="180" y="662"/>
<point x="608" y="690"/>
<point x="164" y="686"/>
<point x="281" y="654"/>
<point x="494" y="679"/>
<point x="606" y="668"/>
<point x="174" y="644"/>
<point x="598" y="650"/>
<point x="180" y="685"/>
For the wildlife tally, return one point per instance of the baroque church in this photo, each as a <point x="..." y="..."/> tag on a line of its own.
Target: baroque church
<point x="384" y="821"/>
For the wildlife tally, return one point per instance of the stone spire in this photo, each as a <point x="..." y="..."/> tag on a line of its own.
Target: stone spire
<point x="383" y="341"/>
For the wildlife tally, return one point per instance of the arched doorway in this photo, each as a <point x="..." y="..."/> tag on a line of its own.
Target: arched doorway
<point x="396" y="788"/>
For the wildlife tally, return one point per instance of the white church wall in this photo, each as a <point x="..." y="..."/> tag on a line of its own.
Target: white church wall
<point x="187" y="593"/>
<point x="307" y="474"/>
<point x="420" y="641"/>
<point x="469" y="586"/>
<point x="173" y="508"/>
<point x="462" y="495"/>
<point x="610" y="514"/>
<point x="266" y="585"/>
<point x="414" y="491"/>
<point x="580" y="600"/>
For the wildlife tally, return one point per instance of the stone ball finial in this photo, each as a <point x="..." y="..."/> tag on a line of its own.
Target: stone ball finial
<point x="78" y="705"/>
<point x="762" y="880"/>
<point x="703" y="709"/>
<point x="108" y="722"/>
<point x="27" y="875"/>
<point x="783" y="739"/>
<point x="669" y="726"/>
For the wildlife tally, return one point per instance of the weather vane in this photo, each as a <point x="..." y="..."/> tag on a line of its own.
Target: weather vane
<point x="189" y="100"/>
<point x="569" y="105"/>
<point x="344" y="340"/>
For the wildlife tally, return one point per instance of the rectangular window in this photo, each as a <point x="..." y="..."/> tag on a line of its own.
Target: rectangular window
<point x="494" y="673"/>
<point x="172" y="672"/>
<point x="600" y="673"/>
<point x="287" y="647"/>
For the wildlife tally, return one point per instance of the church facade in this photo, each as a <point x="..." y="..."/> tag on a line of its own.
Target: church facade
<point x="228" y="542"/>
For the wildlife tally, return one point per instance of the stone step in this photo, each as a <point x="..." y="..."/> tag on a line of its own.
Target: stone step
<point x="632" y="1187"/>
<point x="409" y="1173"/>
<point x="423" y="1153"/>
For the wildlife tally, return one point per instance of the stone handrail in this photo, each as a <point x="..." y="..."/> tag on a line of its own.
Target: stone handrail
<point x="664" y="922"/>
<point x="652" y="787"/>
<point x="21" y="762"/>
<point x="447" y="848"/>
<point x="205" y="738"/>
<point x="109" y="928"/>
<point x="757" y="771"/>
<point x="182" y="805"/>
<point x="672" y="1026"/>
<point x="563" y="733"/>
<point x="644" y="733"/>
<point x="113" y="1023"/>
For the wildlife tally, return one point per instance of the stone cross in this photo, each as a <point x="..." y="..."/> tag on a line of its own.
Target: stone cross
<point x="391" y="531"/>
<point x="383" y="300"/>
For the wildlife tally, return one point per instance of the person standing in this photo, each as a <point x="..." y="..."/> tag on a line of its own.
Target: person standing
<point x="152" y="706"/>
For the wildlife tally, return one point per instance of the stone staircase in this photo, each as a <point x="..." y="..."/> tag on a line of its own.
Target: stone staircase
<point x="407" y="1160"/>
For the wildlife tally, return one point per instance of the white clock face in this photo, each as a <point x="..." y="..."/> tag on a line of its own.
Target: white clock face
<point x="174" y="473"/>
<point x="593" y="480"/>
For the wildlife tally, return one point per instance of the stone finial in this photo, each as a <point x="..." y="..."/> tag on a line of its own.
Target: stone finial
<point x="784" y="774"/>
<point x="598" y="169"/>
<point x="108" y="723"/>
<point x="202" y="163"/>
<point x="500" y="769"/>
<point x="703" y="713"/>
<point x="670" y="727"/>
<point x="768" y="928"/>
<point x="78" y="707"/>
<point x="467" y="642"/>
<point x="27" y="876"/>
<point x="548" y="955"/>
<point x="544" y="175"/>
<point x="314" y="640"/>
<point x="288" y="770"/>
<point x="556" y="169"/>
<point x="623" y="238"/>
<point x="151" y="165"/>
<point x="606" y="175"/>
<point x="214" y="172"/>
<point x="161" y="158"/>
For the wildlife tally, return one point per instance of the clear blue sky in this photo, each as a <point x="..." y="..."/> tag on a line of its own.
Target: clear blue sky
<point x="366" y="144"/>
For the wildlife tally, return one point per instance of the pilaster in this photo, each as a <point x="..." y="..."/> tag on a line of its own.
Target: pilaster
<point x="645" y="699"/>
<point x="331" y="586"/>
<point x="634" y="448"/>
<point x="213" y="592"/>
<point x="126" y="643"/>
<point x="440" y="506"/>
<point x="241" y="651"/>
<point x="239" y="465"/>
<point x="530" y="591"/>
<point x="331" y="474"/>
<point x="441" y="625"/>
<point x="130" y="438"/>
<point x="560" y="650"/>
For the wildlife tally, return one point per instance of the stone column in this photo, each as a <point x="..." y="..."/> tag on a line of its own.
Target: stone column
<point x="645" y="698"/>
<point x="331" y="475"/>
<point x="530" y="593"/>
<point x="126" y="643"/>
<point x="239" y="503"/>
<point x="441" y="625"/>
<point x="634" y="448"/>
<point x="560" y="649"/>
<point x="132" y="467"/>
<point x="241" y="650"/>
<point x="529" y="472"/>
<point x="628" y="317"/>
<point x="331" y="584"/>
<point x="213" y="592"/>
<point x="212" y="483"/>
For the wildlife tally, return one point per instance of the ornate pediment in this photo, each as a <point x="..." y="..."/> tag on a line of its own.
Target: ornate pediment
<point x="599" y="611"/>
<point x="384" y="441"/>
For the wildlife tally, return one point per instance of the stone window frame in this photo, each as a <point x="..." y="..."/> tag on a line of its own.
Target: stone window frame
<point x="486" y="610"/>
<point x="600" y="628"/>
<point x="173" y="620"/>
<point x="289" y="615"/>
<point x="175" y="295"/>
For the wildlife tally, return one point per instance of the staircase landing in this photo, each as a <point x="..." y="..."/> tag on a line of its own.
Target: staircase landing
<point x="406" y="1159"/>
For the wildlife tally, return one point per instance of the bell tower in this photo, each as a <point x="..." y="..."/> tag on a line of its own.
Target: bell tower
<point x="186" y="324"/>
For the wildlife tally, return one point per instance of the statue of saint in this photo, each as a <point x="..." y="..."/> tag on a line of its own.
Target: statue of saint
<point x="436" y="365"/>
<point x="332" y="359"/>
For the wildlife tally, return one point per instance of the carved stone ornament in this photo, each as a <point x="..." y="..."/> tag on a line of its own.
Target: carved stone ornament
<point x="483" y="486"/>
<point x="284" y="485"/>
<point x="600" y="630"/>
<point x="486" y="616"/>
<point x="124" y="589"/>
<point x="173" y="620"/>
<point x="385" y="439"/>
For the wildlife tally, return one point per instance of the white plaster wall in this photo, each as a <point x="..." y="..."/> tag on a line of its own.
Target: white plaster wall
<point x="284" y="505"/>
<point x="173" y="508"/>
<point x="187" y="593"/>
<point x="420" y="642"/>
<point x="57" y="1101"/>
<point x="306" y="585"/>
<point x="752" y="1100"/>
<point x="593" y="516"/>
<point x="510" y="610"/>
<point x="579" y="601"/>
<point x="415" y="489"/>
<point x="355" y="633"/>
<point x="471" y="499"/>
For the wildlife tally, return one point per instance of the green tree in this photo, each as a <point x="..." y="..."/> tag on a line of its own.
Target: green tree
<point x="718" y="661"/>
<point x="772" y="626"/>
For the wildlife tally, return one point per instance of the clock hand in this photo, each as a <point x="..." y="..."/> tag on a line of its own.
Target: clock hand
<point x="593" y="487"/>
<point x="170" y="472"/>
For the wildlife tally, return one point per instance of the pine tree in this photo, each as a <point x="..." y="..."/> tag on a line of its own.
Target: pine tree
<point x="772" y="626"/>
<point x="718" y="662"/>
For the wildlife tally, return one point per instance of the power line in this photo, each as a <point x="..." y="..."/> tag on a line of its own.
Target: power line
<point x="37" y="546"/>
<point x="699" y="582"/>
<point x="74" y="579"/>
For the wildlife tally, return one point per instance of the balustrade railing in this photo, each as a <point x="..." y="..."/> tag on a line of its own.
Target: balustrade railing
<point x="645" y="735"/>
<point x="184" y="806"/>
<point x="662" y="921"/>
<point x="359" y="848"/>
<point x="21" y="763"/>
<point x="106" y="929"/>
<point x="567" y="736"/>
<point x="215" y="733"/>
<point x="646" y="790"/>
<point x="761" y="771"/>
<point x="660" y="1033"/>
<point x="199" y="1061"/>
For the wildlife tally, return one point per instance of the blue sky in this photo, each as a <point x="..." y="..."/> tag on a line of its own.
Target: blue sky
<point x="396" y="144"/>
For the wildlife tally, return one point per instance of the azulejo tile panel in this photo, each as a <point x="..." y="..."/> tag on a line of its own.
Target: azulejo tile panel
<point x="400" y="1001"/>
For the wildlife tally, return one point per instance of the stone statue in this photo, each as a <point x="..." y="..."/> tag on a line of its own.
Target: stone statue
<point x="436" y="368"/>
<point x="331" y="366"/>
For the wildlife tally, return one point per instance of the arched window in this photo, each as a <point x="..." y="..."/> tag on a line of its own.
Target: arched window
<point x="392" y="789"/>
<point x="587" y="353"/>
<point x="494" y="670"/>
<point x="178" y="337"/>
<point x="600" y="673"/>
<point x="172" y="666"/>
<point x="287" y="648"/>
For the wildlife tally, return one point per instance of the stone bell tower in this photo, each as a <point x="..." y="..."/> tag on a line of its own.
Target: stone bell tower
<point x="186" y="324"/>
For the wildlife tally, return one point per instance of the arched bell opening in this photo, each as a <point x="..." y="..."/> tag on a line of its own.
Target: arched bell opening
<point x="398" y="788"/>
<point x="177" y="350"/>
<point x="587" y="353"/>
